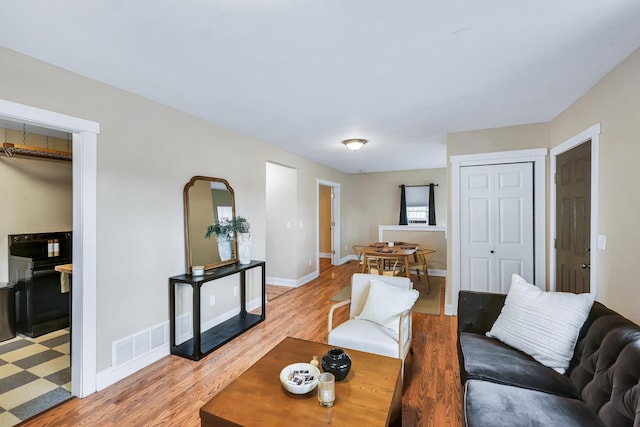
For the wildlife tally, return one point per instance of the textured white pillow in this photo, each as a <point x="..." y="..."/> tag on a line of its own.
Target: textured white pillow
<point x="544" y="325"/>
<point x="386" y="302"/>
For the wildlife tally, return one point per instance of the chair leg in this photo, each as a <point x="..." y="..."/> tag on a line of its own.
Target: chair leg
<point x="426" y="279"/>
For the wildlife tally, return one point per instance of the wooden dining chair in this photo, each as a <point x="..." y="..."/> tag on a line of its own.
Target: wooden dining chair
<point x="420" y="265"/>
<point x="383" y="265"/>
<point x="358" y="251"/>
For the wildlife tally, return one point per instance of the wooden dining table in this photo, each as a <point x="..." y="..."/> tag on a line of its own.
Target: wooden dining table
<point x="400" y="249"/>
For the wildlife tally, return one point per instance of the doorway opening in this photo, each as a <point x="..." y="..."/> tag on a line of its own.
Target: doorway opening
<point x="334" y="235"/>
<point x="325" y="226"/>
<point x="83" y="304"/>
<point x="592" y="136"/>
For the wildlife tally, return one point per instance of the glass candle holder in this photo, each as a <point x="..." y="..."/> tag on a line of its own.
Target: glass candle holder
<point x="326" y="389"/>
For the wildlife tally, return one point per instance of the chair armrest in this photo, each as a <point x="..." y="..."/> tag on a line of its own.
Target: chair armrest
<point x="401" y="340"/>
<point x="332" y="309"/>
<point x="478" y="311"/>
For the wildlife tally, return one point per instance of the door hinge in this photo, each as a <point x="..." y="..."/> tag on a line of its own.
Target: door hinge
<point x="555" y="243"/>
<point x="333" y="252"/>
<point x="555" y="178"/>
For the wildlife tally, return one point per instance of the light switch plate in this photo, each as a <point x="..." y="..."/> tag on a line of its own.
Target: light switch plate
<point x="602" y="242"/>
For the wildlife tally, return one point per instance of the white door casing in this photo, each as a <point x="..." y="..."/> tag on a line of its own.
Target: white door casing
<point x="496" y="210"/>
<point x="538" y="157"/>
<point x="84" y="170"/>
<point x="593" y="134"/>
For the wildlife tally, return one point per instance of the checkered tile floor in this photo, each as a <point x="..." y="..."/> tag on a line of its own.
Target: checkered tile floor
<point x="35" y="375"/>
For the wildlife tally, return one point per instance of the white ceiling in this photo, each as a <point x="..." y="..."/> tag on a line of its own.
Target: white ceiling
<point x="304" y="75"/>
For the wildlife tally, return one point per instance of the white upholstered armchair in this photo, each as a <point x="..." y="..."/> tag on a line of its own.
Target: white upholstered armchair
<point x="379" y="316"/>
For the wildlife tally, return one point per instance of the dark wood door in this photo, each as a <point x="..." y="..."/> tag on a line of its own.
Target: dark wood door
<point x="573" y="219"/>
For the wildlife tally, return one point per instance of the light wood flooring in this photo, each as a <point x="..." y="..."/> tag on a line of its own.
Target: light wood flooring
<point x="171" y="391"/>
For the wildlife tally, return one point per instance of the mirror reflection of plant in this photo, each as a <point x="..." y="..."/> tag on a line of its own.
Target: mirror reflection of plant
<point x="226" y="227"/>
<point x="222" y="228"/>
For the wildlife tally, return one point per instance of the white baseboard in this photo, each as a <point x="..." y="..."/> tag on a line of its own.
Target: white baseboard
<point x="112" y="375"/>
<point x="278" y="281"/>
<point x="141" y="356"/>
<point x="450" y="310"/>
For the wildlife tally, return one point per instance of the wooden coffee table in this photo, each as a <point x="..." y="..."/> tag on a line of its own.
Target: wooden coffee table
<point x="371" y="395"/>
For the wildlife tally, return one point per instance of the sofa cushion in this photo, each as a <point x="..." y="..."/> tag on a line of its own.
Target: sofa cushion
<point x="497" y="405"/>
<point x="545" y="325"/>
<point x="488" y="359"/>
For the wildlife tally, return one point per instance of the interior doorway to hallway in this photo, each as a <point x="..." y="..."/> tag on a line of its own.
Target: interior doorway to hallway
<point x="324" y="188"/>
<point x="325" y="223"/>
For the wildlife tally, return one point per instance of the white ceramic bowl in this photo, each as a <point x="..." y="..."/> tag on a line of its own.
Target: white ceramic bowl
<point x="305" y="387"/>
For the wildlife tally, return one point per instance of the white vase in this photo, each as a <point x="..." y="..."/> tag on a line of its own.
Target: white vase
<point x="244" y="248"/>
<point x="224" y="249"/>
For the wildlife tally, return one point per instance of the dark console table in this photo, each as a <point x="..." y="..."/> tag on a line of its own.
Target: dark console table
<point x="204" y="342"/>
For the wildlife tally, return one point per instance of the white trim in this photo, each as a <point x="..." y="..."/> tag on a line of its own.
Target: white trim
<point x="112" y="375"/>
<point x="83" y="305"/>
<point x="292" y="282"/>
<point x="538" y="157"/>
<point x="335" y="213"/>
<point x="593" y="134"/>
<point x="428" y="228"/>
<point x="498" y="157"/>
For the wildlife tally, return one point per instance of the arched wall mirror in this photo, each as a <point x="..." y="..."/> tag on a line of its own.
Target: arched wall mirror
<point x="206" y="201"/>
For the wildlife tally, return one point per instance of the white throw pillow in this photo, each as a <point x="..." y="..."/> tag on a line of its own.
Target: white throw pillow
<point x="544" y="325"/>
<point x="386" y="302"/>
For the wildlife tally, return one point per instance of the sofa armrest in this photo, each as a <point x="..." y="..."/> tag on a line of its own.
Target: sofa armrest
<point x="477" y="311"/>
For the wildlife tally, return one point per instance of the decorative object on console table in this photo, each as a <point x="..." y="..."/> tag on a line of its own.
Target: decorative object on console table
<point x="223" y="229"/>
<point x="337" y="362"/>
<point x="241" y="227"/>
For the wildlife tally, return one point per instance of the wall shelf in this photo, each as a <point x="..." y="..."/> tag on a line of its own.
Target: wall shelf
<point x="11" y="149"/>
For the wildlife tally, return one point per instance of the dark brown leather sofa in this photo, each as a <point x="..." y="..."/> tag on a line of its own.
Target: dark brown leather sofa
<point x="505" y="387"/>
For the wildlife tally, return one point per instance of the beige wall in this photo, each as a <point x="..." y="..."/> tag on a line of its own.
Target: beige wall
<point x="36" y="197"/>
<point x="489" y="141"/>
<point x="375" y="200"/>
<point x="614" y="102"/>
<point x="281" y="189"/>
<point x="147" y="152"/>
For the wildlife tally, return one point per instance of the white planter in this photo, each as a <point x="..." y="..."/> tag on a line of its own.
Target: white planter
<point x="224" y="249"/>
<point x="244" y="248"/>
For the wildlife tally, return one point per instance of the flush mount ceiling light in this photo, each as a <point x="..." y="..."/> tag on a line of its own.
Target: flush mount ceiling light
<point x="354" y="144"/>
